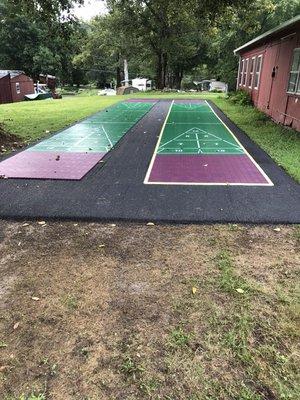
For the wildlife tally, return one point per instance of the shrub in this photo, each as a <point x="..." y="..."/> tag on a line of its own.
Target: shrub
<point x="240" y="97"/>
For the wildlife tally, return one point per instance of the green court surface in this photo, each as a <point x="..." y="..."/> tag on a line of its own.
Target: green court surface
<point x="191" y="107"/>
<point x="195" y="129"/>
<point x="98" y="133"/>
<point x="118" y="115"/>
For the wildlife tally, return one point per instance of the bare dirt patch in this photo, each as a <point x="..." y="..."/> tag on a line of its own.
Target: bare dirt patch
<point x="9" y="142"/>
<point x="95" y="311"/>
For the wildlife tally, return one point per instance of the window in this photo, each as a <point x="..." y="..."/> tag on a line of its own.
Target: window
<point x="245" y="71"/>
<point x="251" y="71"/>
<point x="18" y="89"/>
<point x="257" y="71"/>
<point x="294" y="78"/>
<point x="241" y="72"/>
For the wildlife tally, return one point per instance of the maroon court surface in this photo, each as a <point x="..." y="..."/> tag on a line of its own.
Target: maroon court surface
<point x="49" y="165"/>
<point x="206" y="169"/>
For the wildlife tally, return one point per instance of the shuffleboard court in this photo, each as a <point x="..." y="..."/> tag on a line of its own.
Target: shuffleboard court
<point x="73" y="152"/>
<point x="195" y="147"/>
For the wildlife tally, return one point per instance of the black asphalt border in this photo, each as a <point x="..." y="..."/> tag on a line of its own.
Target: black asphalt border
<point x="114" y="190"/>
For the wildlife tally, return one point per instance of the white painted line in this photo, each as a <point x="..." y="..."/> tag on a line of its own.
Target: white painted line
<point x="235" y="146"/>
<point x="222" y="140"/>
<point x="81" y="140"/>
<point x="107" y="137"/>
<point x="157" y="145"/>
<point x="198" y="144"/>
<point x="207" y="184"/>
<point x="193" y="123"/>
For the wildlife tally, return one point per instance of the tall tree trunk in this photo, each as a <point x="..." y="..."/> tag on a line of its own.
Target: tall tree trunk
<point x="164" y="69"/>
<point x="118" y="76"/>
<point x="159" y="72"/>
<point x="118" y="70"/>
<point x="178" y="75"/>
<point x="126" y="73"/>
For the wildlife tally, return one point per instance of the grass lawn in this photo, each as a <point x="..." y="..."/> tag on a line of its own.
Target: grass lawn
<point x="132" y="312"/>
<point x="33" y="120"/>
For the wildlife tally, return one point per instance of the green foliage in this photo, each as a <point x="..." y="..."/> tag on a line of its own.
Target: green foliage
<point x="171" y="42"/>
<point x="131" y="368"/>
<point x="3" y="345"/>
<point x="71" y="302"/>
<point x="228" y="280"/>
<point x="38" y="45"/>
<point x="237" y="25"/>
<point x="240" y="97"/>
<point x="178" y="338"/>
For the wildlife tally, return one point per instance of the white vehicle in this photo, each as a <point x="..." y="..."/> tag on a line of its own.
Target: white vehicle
<point x="220" y="86"/>
<point x="142" y="84"/>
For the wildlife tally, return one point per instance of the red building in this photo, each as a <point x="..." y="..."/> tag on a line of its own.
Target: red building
<point x="269" y="69"/>
<point x="14" y="85"/>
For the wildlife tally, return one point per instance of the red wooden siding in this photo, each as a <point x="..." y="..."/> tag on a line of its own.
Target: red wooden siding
<point x="5" y="90"/>
<point x="26" y="87"/>
<point x="271" y="96"/>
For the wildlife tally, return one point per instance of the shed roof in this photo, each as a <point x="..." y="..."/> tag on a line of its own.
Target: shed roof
<point x="13" y="73"/>
<point x="272" y="32"/>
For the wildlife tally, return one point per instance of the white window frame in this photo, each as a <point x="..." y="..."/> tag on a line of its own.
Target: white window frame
<point x="258" y="72"/>
<point x="297" y="84"/>
<point x="18" y="88"/>
<point x="241" y="72"/>
<point x="245" y="75"/>
<point x="251" y="74"/>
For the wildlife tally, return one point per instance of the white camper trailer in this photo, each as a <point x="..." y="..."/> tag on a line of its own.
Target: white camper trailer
<point x="142" y="84"/>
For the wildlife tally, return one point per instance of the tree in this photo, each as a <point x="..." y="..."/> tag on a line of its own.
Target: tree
<point x="174" y="31"/>
<point x="45" y="9"/>
<point x="35" y="45"/>
<point x="239" y="25"/>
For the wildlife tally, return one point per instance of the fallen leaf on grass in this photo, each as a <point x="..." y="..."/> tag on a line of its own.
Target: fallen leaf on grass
<point x="16" y="325"/>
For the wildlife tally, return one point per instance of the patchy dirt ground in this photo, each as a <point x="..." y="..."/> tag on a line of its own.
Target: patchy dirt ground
<point x="9" y="142"/>
<point x="96" y="311"/>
